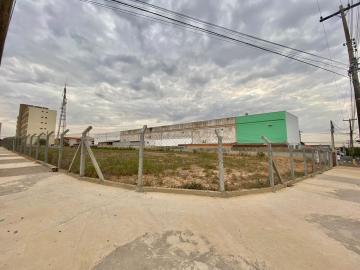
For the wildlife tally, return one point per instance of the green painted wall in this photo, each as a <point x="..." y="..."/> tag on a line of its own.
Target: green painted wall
<point x="250" y="128"/>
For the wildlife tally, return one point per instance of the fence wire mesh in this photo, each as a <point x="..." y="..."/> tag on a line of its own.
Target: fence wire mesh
<point x="184" y="158"/>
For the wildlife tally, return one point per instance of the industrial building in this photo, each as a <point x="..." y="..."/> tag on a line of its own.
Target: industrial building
<point x="35" y="120"/>
<point x="279" y="127"/>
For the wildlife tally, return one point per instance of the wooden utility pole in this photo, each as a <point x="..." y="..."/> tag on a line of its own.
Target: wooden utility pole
<point x="6" y="8"/>
<point x="353" y="70"/>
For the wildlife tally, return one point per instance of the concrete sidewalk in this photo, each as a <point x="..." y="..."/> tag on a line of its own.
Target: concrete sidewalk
<point x="54" y="221"/>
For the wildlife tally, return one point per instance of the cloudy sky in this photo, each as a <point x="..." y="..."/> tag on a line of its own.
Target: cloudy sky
<point x="124" y="71"/>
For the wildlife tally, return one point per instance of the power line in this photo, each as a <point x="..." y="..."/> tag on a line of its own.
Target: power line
<point x="230" y="30"/>
<point x="207" y="31"/>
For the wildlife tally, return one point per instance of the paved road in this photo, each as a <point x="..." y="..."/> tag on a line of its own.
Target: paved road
<point x="53" y="221"/>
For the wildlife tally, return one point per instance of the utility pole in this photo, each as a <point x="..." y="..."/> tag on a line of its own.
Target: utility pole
<point x="351" y="143"/>
<point x="6" y="9"/>
<point x="332" y="130"/>
<point x="353" y="70"/>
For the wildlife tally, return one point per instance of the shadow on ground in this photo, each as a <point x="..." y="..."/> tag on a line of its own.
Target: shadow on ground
<point x="172" y="250"/>
<point x="339" y="179"/>
<point x="23" y="171"/>
<point x="344" y="230"/>
<point x="20" y="185"/>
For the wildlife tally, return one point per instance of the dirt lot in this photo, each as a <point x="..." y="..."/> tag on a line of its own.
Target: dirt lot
<point x="190" y="170"/>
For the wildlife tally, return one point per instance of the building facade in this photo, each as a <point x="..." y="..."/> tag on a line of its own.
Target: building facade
<point x="35" y="120"/>
<point x="279" y="127"/>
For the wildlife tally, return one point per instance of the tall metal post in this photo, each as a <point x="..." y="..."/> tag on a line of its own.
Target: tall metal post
<point x="61" y="147"/>
<point x="140" y="183"/>
<point x="47" y="146"/>
<point x="305" y="162"/>
<point x="13" y="144"/>
<point x="220" y="153"/>
<point x="292" y="165"/>
<point x="83" y="150"/>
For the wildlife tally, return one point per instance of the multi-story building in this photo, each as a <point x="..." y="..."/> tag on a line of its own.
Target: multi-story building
<point x="35" y="120"/>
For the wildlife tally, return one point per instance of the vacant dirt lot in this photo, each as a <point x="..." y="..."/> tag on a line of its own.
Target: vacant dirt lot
<point x="175" y="169"/>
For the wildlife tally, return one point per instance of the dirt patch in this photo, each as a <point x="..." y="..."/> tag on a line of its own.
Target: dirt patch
<point x="190" y="170"/>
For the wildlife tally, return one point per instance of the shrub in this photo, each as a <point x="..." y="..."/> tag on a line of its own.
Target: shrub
<point x="192" y="185"/>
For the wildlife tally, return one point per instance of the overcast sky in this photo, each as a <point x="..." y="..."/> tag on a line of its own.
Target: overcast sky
<point x="124" y="71"/>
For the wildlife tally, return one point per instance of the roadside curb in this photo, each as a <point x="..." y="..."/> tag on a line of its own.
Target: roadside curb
<point x="203" y="193"/>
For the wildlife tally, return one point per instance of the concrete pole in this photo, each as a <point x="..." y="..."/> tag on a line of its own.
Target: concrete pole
<point x="25" y="144"/>
<point x="270" y="154"/>
<point x="38" y="146"/>
<point x="31" y="143"/>
<point x="220" y="153"/>
<point x="47" y="146"/>
<point x="61" y="147"/>
<point x="305" y="162"/>
<point x="292" y="165"/>
<point x="140" y="183"/>
<point x="313" y="161"/>
<point x="331" y="159"/>
<point x="83" y="150"/>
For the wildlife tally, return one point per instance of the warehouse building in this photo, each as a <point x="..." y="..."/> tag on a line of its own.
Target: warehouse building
<point x="35" y="120"/>
<point x="279" y="127"/>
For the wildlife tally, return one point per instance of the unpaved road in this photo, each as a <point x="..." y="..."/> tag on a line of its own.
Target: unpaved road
<point x="53" y="221"/>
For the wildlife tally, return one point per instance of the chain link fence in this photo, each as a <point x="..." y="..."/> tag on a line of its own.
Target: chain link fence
<point x="185" y="159"/>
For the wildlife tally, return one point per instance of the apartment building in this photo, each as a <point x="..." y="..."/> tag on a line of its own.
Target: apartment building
<point x="35" y="120"/>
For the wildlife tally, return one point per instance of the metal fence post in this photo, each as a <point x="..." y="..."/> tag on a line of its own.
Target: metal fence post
<point x="22" y="145"/>
<point x="38" y="146"/>
<point x="31" y="143"/>
<point x="270" y="154"/>
<point x="305" y="162"/>
<point x="321" y="160"/>
<point x="220" y="160"/>
<point x="292" y="165"/>
<point x="82" y="150"/>
<point x="140" y="183"/>
<point x="13" y="145"/>
<point x="313" y="161"/>
<point x="25" y="144"/>
<point x="47" y="146"/>
<point x="61" y="147"/>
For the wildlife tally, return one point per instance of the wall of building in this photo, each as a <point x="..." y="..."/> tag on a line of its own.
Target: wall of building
<point x="250" y="128"/>
<point x="36" y="120"/>
<point x="202" y="132"/>
<point x="292" y="128"/>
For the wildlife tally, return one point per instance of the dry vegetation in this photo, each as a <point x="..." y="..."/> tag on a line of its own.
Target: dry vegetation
<point x="190" y="170"/>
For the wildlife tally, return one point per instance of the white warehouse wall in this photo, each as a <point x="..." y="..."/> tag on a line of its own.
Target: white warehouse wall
<point x="292" y="129"/>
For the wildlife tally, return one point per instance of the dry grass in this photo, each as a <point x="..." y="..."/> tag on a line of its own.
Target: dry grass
<point x="180" y="169"/>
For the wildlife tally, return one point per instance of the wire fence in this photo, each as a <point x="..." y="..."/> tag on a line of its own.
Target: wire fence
<point x="204" y="159"/>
